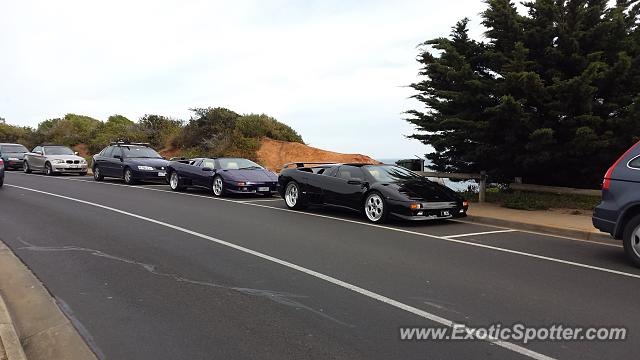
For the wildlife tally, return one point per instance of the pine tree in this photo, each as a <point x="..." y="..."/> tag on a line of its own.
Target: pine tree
<point x="552" y="97"/>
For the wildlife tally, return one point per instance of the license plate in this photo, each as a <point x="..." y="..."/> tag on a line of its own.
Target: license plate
<point x="162" y="173"/>
<point x="74" y="166"/>
<point x="263" y="188"/>
<point x="445" y="213"/>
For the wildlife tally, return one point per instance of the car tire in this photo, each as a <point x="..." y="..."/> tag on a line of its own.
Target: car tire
<point x="128" y="177"/>
<point x="26" y="168"/>
<point x="175" y="183"/>
<point x="375" y="208"/>
<point x="97" y="174"/>
<point x="293" y="196"/>
<point x="217" y="186"/>
<point x="48" y="169"/>
<point x="631" y="239"/>
<point x="1" y="181"/>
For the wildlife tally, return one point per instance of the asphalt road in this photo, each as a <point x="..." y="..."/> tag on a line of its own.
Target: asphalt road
<point x="152" y="274"/>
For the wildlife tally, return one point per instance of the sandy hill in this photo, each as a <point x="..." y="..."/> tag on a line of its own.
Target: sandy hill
<point x="273" y="154"/>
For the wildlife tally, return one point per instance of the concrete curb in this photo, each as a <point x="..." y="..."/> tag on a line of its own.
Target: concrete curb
<point x="545" y="229"/>
<point x="40" y="326"/>
<point x="10" y="346"/>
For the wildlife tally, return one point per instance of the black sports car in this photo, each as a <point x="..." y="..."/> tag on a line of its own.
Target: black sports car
<point x="379" y="191"/>
<point x="222" y="176"/>
<point x="132" y="162"/>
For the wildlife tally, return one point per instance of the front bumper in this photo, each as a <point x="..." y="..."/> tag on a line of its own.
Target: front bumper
<point x="69" y="168"/>
<point x="13" y="164"/>
<point x="427" y="210"/>
<point x="150" y="175"/>
<point x="251" y="188"/>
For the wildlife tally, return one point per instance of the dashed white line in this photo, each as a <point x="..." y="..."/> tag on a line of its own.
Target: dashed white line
<point x="408" y="308"/>
<point x="480" y="233"/>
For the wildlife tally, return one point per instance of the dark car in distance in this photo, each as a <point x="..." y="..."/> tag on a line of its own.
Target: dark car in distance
<point x="13" y="155"/>
<point x="221" y="176"/>
<point x="1" y="172"/>
<point x="132" y="162"/>
<point x="619" y="211"/>
<point x="377" y="191"/>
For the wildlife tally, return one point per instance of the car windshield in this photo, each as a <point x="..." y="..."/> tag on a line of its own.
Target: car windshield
<point x="140" y="152"/>
<point x="389" y="173"/>
<point x="13" y="149"/>
<point x="238" y="164"/>
<point x="58" y="150"/>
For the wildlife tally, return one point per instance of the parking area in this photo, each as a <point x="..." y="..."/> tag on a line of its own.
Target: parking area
<point x="314" y="284"/>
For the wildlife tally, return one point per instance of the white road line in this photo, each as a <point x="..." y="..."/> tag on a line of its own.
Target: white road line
<point x="539" y="233"/>
<point x="327" y="278"/>
<point x="458" y="241"/>
<point x="263" y="200"/>
<point x="480" y="233"/>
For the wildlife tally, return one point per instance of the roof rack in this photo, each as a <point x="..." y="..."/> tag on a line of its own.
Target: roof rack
<point x="300" y="164"/>
<point x="127" y="142"/>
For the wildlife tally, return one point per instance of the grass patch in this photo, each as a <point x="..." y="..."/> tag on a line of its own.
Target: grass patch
<point x="526" y="200"/>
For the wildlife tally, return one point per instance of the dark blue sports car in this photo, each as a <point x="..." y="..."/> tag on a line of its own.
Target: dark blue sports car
<point x="221" y="176"/>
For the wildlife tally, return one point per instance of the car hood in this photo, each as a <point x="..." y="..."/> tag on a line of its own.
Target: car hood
<point x="425" y="190"/>
<point x="64" y="157"/>
<point x="156" y="163"/>
<point x="6" y="155"/>
<point x="250" y="175"/>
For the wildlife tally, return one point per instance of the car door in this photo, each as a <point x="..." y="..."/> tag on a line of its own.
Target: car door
<point x="101" y="160"/>
<point x="190" y="172"/>
<point x="346" y="187"/>
<point x="116" y="162"/>
<point x="203" y="177"/>
<point x="36" y="158"/>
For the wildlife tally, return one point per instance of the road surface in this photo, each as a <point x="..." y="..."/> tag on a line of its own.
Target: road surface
<point x="147" y="273"/>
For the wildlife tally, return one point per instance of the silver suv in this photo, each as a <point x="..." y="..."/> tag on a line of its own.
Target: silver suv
<point x="54" y="159"/>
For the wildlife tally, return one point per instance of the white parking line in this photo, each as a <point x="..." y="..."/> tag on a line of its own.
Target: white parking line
<point x="263" y="200"/>
<point x="453" y="240"/>
<point x="480" y="233"/>
<point x="408" y="308"/>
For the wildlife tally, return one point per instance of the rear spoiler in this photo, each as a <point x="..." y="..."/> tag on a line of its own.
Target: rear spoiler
<point x="300" y="164"/>
<point x="180" y="159"/>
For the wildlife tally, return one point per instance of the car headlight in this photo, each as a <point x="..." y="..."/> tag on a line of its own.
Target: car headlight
<point x="57" y="161"/>
<point x="147" y="168"/>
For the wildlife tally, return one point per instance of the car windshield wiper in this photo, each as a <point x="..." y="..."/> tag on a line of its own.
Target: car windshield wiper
<point x="250" y="168"/>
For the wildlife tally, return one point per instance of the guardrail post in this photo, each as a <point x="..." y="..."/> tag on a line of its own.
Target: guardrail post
<point x="483" y="187"/>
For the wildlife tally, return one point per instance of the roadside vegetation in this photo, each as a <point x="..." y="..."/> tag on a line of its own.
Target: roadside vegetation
<point x="530" y="200"/>
<point x="209" y="132"/>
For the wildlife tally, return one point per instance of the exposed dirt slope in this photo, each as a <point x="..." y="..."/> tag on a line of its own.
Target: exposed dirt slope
<point x="273" y="154"/>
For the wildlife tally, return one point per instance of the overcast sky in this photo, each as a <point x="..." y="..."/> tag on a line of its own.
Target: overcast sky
<point x="334" y="70"/>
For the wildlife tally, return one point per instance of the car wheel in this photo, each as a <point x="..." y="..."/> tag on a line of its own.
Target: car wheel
<point x="128" y="177"/>
<point x="97" y="174"/>
<point x="174" y="182"/>
<point x="631" y="240"/>
<point x="1" y="181"/>
<point x="48" y="170"/>
<point x="218" y="186"/>
<point x="26" y="168"/>
<point x="293" y="197"/>
<point x="375" y="208"/>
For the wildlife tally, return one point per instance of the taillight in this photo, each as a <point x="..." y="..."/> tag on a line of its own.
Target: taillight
<point x="607" y="177"/>
<point x="1" y="162"/>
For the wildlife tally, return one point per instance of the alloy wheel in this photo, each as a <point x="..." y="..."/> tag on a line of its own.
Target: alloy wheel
<point x="217" y="186"/>
<point x="635" y="241"/>
<point x="374" y="207"/>
<point x="291" y="195"/>
<point x="174" y="181"/>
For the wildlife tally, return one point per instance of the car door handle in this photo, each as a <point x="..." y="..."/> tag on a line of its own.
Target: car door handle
<point x="354" y="182"/>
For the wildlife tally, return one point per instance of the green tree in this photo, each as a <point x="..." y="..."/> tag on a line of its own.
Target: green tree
<point x="559" y="98"/>
<point x="159" y="129"/>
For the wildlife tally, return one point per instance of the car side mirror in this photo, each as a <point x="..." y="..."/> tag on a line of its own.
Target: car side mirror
<point x="38" y="152"/>
<point x="75" y="153"/>
<point x="117" y="157"/>
<point x="207" y="169"/>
